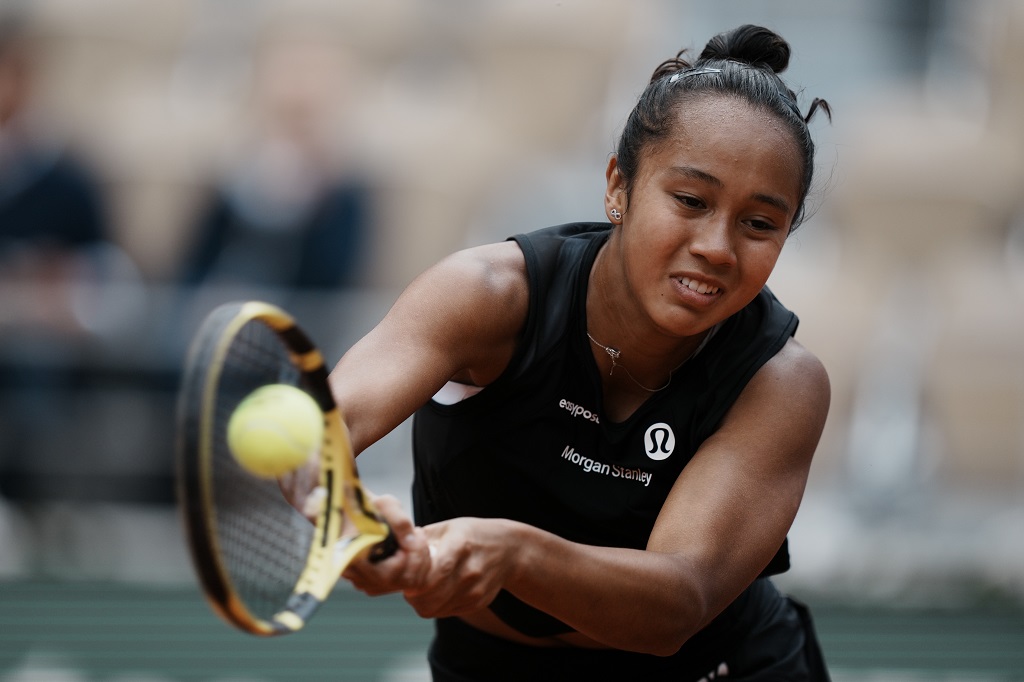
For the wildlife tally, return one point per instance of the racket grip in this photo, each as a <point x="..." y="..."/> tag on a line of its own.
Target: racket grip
<point x="383" y="549"/>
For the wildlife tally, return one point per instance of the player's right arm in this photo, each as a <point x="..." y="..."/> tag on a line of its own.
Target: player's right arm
<point x="458" y="321"/>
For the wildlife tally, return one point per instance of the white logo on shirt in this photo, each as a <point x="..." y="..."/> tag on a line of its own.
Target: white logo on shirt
<point x="614" y="470"/>
<point x="659" y="441"/>
<point x="579" y="411"/>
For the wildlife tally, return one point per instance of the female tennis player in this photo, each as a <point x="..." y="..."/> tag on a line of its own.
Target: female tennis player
<point x="613" y="422"/>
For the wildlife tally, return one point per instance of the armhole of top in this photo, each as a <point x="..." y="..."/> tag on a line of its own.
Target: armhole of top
<point x="453" y="392"/>
<point x="528" y="333"/>
<point x="777" y="338"/>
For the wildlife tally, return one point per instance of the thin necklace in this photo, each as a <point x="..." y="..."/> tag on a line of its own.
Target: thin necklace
<point x="614" y="354"/>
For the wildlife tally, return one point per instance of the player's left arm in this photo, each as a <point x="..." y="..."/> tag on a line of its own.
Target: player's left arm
<point x="725" y="518"/>
<point x="734" y="503"/>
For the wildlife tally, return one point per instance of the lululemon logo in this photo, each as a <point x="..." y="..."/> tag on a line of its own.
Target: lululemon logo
<point x="659" y="441"/>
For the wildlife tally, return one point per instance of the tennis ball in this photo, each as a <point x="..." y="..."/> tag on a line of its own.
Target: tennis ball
<point x="275" y="430"/>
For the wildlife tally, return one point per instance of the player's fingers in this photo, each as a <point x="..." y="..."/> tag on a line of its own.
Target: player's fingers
<point x="314" y="503"/>
<point x="465" y="573"/>
<point x="439" y="593"/>
<point x="406" y="569"/>
<point x="401" y="523"/>
<point x="446" y="551"/>
<point x="298" y="485"/>
<point x="373" y="579"/>
<point x="413" y="561"/>
<point x="454" y="597"/>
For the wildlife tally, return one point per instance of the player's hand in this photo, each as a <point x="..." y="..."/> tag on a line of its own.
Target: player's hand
<point x="407" y="568"/>
<point x="302" y="488"/>
<point x="471" y="560"/>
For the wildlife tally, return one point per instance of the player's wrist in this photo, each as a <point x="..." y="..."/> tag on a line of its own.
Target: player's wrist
<point x="521" y="545"/>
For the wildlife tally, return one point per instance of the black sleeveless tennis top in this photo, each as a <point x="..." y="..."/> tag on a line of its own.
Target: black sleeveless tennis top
<point x="535" y="446"/>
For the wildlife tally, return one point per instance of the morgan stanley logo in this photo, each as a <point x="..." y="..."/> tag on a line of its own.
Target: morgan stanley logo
<point x="659" y="441"/>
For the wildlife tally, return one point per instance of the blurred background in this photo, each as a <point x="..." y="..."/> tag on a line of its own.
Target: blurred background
<point x="158" y="158"/>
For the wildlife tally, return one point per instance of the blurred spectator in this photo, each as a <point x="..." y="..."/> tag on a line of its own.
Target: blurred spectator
<point x="54" y="251"/>
<point x="51" y="216"/>
<point x="287" y="213"/>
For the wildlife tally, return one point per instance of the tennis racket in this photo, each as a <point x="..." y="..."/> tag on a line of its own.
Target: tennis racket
<point x="264" y="566"/>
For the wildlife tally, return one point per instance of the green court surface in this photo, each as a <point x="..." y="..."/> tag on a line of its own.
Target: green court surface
<point x="77" y="632"/>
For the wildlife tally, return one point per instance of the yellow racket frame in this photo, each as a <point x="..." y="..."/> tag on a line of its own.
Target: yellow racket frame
<point x="344" y="505"/>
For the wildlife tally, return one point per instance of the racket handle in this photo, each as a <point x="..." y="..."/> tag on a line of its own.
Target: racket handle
<point x="383" y="549"/>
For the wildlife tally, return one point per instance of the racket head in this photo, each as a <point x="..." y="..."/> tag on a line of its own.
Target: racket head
<point x="263" y="566"/>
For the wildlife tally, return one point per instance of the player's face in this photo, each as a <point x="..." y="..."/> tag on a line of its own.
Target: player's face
<point x="708" y="214"/>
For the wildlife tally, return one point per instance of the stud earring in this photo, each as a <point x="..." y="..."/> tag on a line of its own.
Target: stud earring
<point x="615" y="214"/>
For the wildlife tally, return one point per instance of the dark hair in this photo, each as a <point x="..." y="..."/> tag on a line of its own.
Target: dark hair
<point x="744" y="62"/>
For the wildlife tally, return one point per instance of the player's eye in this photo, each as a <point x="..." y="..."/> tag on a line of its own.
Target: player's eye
<point x="689" y="201"/>
<point x="759" y="225"/>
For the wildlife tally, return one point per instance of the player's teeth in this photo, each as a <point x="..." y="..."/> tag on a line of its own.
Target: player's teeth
<point x="699" y="287"/>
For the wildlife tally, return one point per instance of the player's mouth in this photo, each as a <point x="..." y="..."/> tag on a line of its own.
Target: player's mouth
<point x="698" y="286"/>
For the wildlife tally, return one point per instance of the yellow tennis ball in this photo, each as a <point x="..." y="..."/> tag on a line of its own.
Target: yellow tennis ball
<point x="275" y="430"/>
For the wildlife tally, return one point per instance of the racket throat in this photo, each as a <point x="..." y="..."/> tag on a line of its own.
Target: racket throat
<point x="298" y="610"/>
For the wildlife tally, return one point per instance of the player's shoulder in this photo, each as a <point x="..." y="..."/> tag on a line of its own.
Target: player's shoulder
<point x="491" y="259"/>
<point x="796" y="371"/>
<point x="480" y="300"/>
<point x="488" y="270"/>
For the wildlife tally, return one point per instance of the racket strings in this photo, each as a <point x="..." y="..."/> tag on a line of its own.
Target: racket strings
<point x="263" y="539"/>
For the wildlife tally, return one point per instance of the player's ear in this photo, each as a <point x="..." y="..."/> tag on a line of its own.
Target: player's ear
<point x="615" y="192"/>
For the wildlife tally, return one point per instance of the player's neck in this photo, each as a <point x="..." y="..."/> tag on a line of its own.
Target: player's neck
<point x="617" y="319"/>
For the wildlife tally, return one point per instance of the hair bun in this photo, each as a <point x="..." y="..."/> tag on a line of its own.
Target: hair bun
<point x="754" y="45"/>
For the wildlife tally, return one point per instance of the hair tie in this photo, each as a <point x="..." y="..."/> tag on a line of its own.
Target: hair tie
<point x="692" y="72"/>
<point x="786" y="97"/>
